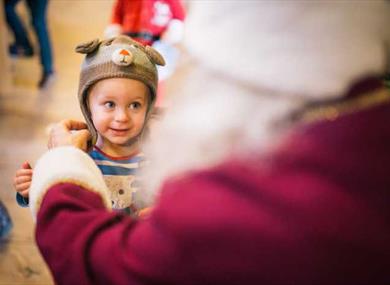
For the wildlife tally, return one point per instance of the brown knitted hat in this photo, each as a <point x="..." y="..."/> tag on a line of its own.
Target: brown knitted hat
<point x="117" y="57"/>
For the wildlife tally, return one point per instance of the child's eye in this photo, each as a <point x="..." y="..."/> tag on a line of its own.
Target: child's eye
<point x="135" y="106"/>
<point x="109" y="104"/>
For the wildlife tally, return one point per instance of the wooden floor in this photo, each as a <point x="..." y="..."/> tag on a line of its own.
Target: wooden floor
<point x="25" y="113"/>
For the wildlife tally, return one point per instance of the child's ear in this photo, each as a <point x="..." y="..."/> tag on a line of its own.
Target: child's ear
<point x="88" y="47"/>
<point x="154" y="55"/>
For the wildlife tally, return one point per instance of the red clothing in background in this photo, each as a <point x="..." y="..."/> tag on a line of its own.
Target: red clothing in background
<point x="146" y="20"/>
<point x="317" y="212"/>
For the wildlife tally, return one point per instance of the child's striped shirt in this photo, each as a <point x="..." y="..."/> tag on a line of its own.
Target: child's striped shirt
<point x="121" y="177"/>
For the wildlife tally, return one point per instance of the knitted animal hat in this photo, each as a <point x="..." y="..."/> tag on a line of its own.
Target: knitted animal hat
<point x="120" y="57"/>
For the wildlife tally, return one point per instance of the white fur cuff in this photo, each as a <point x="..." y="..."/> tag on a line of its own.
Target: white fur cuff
<point x="62" y="165"/>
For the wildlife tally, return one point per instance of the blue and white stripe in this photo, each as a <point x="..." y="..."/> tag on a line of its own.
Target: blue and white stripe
<point x="108" y="166"/>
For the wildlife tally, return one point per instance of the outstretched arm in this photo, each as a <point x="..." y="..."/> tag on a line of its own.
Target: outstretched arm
<point x="70" y="202"/>
<point x="82" y="241"/>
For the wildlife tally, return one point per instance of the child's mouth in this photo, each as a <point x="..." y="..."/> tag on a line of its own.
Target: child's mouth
<point x="119" y="132"/>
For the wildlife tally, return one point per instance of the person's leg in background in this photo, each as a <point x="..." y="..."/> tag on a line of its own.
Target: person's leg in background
<point x="5" y="222"/>
<point x="38" y="9"/>
<point x="22" y="45"/>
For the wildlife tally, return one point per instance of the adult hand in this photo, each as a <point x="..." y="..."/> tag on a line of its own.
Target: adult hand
<point x="69" y="132"/>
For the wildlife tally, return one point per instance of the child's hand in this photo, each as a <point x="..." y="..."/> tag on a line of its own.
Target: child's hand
<point x="22" y="179"/>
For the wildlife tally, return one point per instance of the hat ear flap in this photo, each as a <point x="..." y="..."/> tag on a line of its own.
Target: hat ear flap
<point x="88" y="47"/>
<point x="154" y="55"/>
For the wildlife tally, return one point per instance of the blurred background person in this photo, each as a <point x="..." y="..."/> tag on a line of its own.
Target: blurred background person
<point x="158" y="23"/>
<point x="276" y="157"/>
<point x="22" y="47"/>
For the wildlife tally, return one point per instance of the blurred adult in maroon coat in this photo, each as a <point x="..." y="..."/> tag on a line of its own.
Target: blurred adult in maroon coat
<point x="278" y="175"/>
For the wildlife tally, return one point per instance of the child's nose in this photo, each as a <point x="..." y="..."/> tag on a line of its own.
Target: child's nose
<point x="121" y="115"/>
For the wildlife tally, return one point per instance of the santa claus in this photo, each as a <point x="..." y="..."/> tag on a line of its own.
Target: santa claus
<point x="270" y="168"/>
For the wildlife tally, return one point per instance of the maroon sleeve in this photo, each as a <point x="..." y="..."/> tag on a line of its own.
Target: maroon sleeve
<point x="197" y="233"/>
<point x="83" y="243"/>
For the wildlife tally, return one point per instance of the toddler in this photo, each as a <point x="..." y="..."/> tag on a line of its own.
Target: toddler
<point x="117" y="92"/>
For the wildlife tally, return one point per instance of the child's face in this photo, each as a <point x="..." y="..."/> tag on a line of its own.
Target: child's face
<point x="118" y="107"/>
